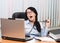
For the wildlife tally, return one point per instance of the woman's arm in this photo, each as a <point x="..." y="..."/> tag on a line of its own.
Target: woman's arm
<point x="44" y="29"/>
<point x="44" y="32"/>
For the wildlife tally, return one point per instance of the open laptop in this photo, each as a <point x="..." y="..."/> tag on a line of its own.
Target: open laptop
<point x="13" y="30"/>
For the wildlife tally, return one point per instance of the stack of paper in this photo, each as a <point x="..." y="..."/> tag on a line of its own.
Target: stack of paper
<point x="55" y="34"/>
<point x="45" y="39"/>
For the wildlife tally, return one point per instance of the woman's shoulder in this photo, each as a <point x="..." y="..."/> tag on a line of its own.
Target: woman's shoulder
<point x="26" y="21"/>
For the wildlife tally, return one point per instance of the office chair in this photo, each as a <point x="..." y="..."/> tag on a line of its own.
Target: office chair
<point x="19" y="15"/>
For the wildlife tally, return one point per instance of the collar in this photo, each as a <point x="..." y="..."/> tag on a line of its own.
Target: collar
<point x="28" y="22"/>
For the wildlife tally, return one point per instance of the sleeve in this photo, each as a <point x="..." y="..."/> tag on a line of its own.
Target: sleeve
<point x="44" y="30"/>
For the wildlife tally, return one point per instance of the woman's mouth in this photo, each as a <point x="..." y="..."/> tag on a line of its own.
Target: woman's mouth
<point x="31" y="16"/>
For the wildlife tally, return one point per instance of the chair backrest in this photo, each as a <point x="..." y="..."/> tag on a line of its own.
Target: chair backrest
<point x="19" y="15"/>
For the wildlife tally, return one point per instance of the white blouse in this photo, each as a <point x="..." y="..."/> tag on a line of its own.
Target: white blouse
<point x="32" y="31"/>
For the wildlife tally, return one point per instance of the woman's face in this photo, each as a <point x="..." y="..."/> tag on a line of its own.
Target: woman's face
<point x="31" y="15"/>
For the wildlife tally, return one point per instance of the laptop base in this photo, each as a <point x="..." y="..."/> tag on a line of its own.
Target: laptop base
<point x="16" y="39"/>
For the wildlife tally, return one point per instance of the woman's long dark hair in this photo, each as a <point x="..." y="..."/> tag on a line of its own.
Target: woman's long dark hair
<point x="36" y="23"/>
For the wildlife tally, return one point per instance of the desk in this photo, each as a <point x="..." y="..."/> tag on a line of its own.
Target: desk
<point x="32" y="41"/>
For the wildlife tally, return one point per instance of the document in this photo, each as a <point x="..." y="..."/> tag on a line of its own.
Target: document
<point x="44" y="39"/>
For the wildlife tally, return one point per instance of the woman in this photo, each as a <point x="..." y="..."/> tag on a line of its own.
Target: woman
<point x="32" y="26"/>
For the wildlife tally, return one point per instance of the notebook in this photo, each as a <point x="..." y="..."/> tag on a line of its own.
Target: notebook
<point x="55" y="34"/>
<point x="13" y="29"/>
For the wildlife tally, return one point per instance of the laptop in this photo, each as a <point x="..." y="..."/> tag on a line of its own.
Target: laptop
<point x="13" y="30"/>
<point x="55" y="34"/>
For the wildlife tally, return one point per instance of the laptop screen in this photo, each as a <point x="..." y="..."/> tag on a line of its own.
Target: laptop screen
<point x="13" y="28"/>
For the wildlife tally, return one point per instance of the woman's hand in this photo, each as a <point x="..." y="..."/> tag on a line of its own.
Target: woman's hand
<point x="48" y="23"/>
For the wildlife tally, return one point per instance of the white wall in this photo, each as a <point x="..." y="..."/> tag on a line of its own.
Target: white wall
<point x="45" y="8"/>
<point x="59" y="13"/>
<point x="8" y="7"/>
